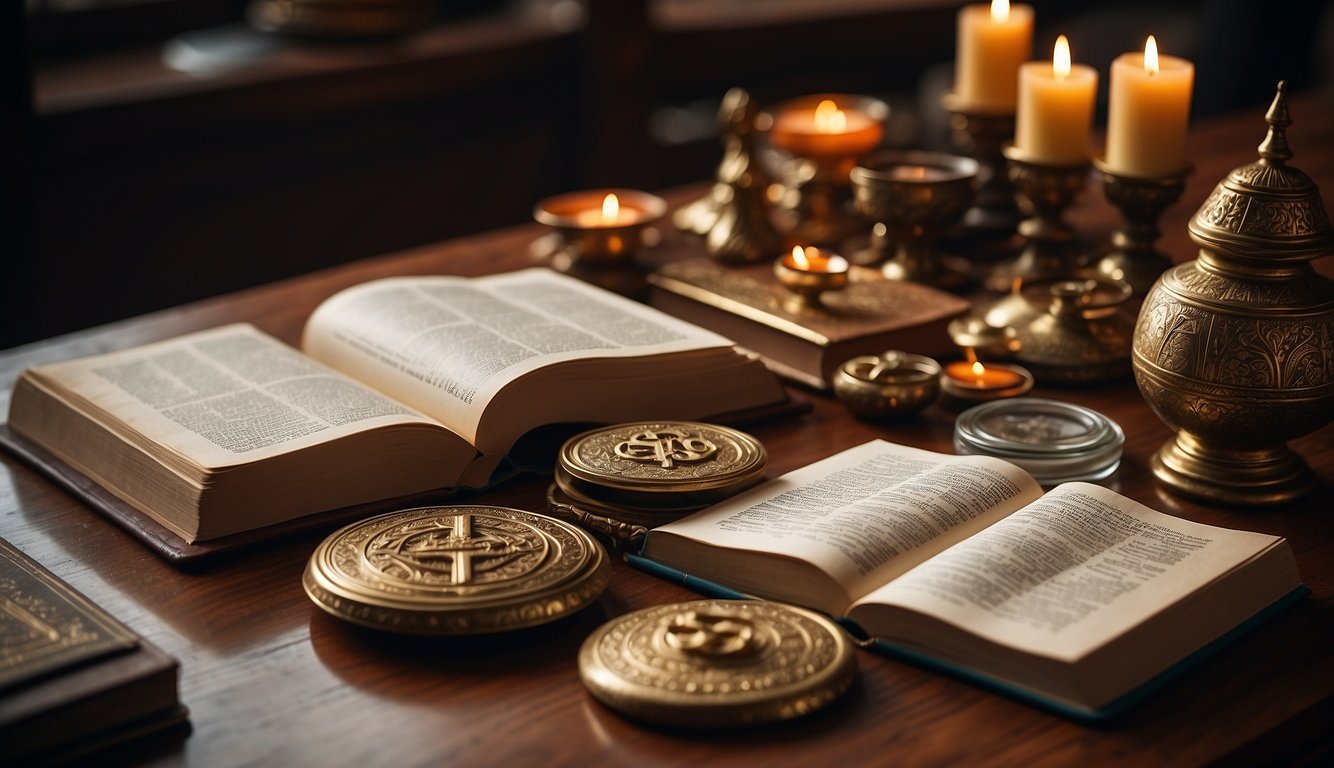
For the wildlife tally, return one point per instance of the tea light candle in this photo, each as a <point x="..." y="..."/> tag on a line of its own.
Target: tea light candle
<point x="973" y="381"/>
<point x="1055" y="109"/>
<point x="1147" y="113"/>
<point x="610" y="214"/>
<point x="813" y="260"/>
<point x="808" y="272"/>
<point x="599" y="209"/>
<point x="992" y="42"/>
<point x="830" y="127"/>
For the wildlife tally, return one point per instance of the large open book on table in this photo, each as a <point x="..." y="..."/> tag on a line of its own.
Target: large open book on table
<point x="406" y="385"/>
<point x="1076" y="599"/>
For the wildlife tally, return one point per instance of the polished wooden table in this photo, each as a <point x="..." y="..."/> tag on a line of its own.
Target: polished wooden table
<point x="271" y="680"/>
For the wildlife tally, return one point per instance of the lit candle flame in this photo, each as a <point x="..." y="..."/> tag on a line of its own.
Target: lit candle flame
<point x="611" y="208"/>
<point x="1000" y="10"/>
<point x="979" y="371"/>
<point x="1060" y="58"/>
<point x="799" y="257"/>
<point x="829" y="118"/>
<point x="1151" y="56"/>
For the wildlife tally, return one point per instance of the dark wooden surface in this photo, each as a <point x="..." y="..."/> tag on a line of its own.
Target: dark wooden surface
<point x="271" y="680"/>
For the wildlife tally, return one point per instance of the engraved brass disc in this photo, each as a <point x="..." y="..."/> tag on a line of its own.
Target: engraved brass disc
<point x="456" y="570"/>
<point x="717" y="663"/>
<point x="680" y="463"/>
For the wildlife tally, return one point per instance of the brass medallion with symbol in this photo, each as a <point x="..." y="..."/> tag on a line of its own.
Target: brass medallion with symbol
<point x="649" y="473"/>
<point x="717" y="663"/>
<point x="456" y="570"/>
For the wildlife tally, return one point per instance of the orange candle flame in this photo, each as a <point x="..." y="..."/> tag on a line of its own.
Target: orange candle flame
<point x="799" y="258"/>
<point x="829" y="118"/>
<point x="1151" y="55"/>
<point x="1060" y="58"/>
<point x="611" y="208"/>
<point x="1000" y="10"/>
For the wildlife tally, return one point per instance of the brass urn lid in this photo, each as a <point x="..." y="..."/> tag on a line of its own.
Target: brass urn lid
<point x="456" y="570"/>
<point x="717" y="663"/>
<point x="1267" y="209"/>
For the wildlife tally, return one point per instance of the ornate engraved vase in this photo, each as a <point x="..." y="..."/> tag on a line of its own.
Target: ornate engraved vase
<point x="1235" y="350"/>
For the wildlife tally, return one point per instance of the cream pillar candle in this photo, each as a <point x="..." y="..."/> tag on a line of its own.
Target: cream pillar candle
<point x="992" y="42"/>
<point x="1055" y="109"/>
<point x="1148" y="113"/>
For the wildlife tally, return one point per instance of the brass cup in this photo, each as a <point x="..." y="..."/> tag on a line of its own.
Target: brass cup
<point x="808" y="283"/>
<point x="916" y="197"/>
<point x="892" y="385"/>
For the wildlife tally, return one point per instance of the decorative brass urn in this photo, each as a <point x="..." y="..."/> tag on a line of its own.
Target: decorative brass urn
<point x="1235" y="350"/>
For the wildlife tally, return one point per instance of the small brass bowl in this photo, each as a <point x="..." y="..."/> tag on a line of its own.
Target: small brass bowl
<point x="888" y="386"/>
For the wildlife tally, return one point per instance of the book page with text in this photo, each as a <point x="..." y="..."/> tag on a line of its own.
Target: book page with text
<point x="1070" y="571"/>
<point x="866" y="514"/>
<point x="225" y="396"/>
<point x="446" y="345"/>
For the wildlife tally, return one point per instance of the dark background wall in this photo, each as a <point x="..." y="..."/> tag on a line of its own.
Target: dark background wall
<point x="154" y="154"/>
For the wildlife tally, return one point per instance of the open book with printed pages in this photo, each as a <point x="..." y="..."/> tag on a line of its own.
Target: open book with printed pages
<point x="1079" y="600"/>
<point x="403" y="386"/>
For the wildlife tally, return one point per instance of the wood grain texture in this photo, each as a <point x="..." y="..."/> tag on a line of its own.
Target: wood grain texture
<point x="269" y="679"/>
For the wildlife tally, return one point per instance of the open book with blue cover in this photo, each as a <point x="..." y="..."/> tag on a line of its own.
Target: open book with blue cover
<point x="1078" y="599"/>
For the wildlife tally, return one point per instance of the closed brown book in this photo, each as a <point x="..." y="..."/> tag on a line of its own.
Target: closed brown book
<point x="807" y="342"/>
<point x="74" y="681"/>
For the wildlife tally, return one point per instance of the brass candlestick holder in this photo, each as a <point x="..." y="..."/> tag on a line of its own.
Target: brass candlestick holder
<point x="981" y="136"/>
<point x="817" y="198"/>
<point x="1233" y="350"/>
<point x="597" y="233"/>
<point x="733" y="217"/>
<point x="1134" y="257"/>
<point x="1049" y="240"/>
<point x="915" y="197"/>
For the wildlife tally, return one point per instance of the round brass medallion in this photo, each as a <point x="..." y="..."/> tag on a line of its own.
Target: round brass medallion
<point x="456" y="570"/>
<point x="716" y="663"/>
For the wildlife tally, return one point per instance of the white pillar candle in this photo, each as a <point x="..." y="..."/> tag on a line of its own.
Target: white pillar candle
<point x="1148" y="113"/>
<point x="1055" y="109"/>
<point x="992" y="42"/>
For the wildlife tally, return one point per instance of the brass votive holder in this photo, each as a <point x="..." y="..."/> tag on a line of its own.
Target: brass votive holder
<point x="915" y="197"/>
<point x="887" y="386"/>
<point x="981" y="135"/>
<point x="596" y="239"/>
<point x="1049" y="250"/>
<point x="1134" y="257"/>
<point x="817" y="197"/>
<point x="809" y="272"/>
<point x="969" y="382"/>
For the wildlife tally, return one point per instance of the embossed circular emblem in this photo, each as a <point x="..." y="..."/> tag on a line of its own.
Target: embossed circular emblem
<point x="456" y="570"/>
<point x="671" y="457"/>
<point x="713" y="663"/>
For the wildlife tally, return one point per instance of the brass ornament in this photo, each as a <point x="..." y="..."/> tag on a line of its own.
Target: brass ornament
<point x="890" y="385"/>
<point x="733" y="217"/>
<point x="456" y="570"/>
<point x="717" y="663"/>
<point x="1235" y="350"/>
<point x="1080" y="336"/>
